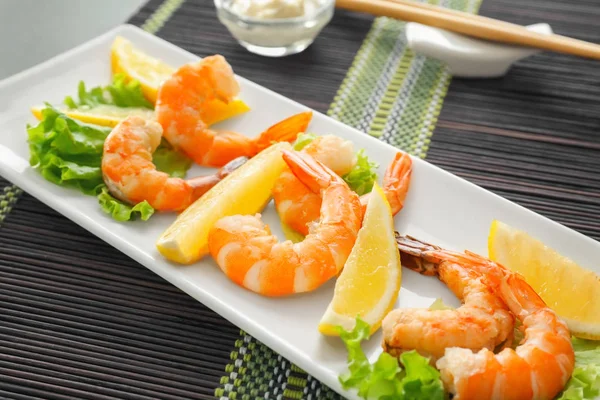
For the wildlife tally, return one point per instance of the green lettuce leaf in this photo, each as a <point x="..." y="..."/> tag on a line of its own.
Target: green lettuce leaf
<point x="120" y="93"/>
<point x="385" y="379"/>
<point x="69" y="153"/>
<point x="421" y="380"/>
<point x="363" y="175"/>
<point x="171" y="161"/>
<point x="303" y="140"/>
<point x="585" y="380"/>
<point x="121" y="211"/>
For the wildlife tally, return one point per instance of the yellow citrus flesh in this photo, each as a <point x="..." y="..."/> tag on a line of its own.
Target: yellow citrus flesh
<point x="245" y="191"/>
<point x="217" y="111"/>
<point x="104" y="115"/>
<point x="108" y="115"/>
<point x="151" y="72"/>
<point x="570" y="290"/>
<point x="291" y="234"/>
<point x="370" y="281"/>
<point x="135" y="64"/>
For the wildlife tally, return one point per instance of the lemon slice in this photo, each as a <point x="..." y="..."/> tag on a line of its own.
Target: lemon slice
<point x="151" y="72"/>
<point x="370" y="281"/>
<point x="570" y="290"/>
<point x="104" y="115"/>
<point x="135" y="64"/>
<point x="245" y="191"/>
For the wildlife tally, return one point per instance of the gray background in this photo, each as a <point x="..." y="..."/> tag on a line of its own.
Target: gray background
<point x="32" y="31"/>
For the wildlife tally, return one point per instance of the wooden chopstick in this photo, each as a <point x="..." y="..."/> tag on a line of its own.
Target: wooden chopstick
<point x="472" y="25"/>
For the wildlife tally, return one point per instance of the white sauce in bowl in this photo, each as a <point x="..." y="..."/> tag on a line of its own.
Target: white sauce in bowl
<point x="275" y="9"/>
<point x="275" y="28"/>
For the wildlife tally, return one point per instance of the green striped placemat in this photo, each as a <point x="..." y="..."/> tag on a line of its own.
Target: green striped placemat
<point x="391" y="93"/>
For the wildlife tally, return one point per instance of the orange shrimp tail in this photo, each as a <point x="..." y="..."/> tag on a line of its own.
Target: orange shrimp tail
<point x="520" y="297"/>
<point x="284" y="131"/>
<point x="314" y="174"/>
<point x="415" y="255"/>
<point x="396" y="181"/>
<point x="202" y="184"/>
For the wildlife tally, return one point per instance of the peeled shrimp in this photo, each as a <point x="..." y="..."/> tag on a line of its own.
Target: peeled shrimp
<point x="298" y="206"/>
<point x="537" y="369"/>
<point x="252" y="257"/>
<point x="483" y="320"/>
<point x="131" y="176"/>
<point x="179" y="109"/>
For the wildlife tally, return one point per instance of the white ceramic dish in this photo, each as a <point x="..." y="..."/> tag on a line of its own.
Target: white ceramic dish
<point x="440" y="207"/>
<point x="465" y="56"/>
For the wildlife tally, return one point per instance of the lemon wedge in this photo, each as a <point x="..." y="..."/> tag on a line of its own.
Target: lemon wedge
<point x="103" y="114"/>
<point x="570" y="290"/>
<point x="216" y="111"/>
<point x="245" y="191"/>
<point x="135" y="64"/>
<point x="108" y="115"/>
<point x="151" y="72"/>
<point x="370" y="281"/>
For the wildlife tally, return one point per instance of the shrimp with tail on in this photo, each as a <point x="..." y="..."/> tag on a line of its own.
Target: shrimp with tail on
<point x="482" y="321"/>
<point x="247" y="252"/>
<point x="299" y="207"/>
<point x="536" y="369"/>
<point x="180" y="109"/>
<point x="132" y="177"/>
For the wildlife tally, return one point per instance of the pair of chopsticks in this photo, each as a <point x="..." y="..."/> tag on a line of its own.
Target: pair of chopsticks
<point x="471" y="25"/>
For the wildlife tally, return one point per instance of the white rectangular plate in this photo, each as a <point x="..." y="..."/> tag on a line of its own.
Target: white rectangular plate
<point x="440" y="208"/>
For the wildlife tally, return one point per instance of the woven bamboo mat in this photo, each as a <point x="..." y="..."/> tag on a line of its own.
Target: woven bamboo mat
<point x="78" y="319"/>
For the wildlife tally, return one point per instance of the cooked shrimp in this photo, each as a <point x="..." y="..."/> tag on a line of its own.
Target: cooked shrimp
<point x="537" y="369"/>
<point x="252" y="257"/>
<point x="131" y="176"/>
<point x="179" y="109"/>
<point x="298" y="206"/>
<point x="483" y="320"/>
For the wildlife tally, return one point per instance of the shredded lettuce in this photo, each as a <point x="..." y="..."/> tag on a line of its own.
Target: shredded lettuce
<point x="385" y="379"/>
<point x="69" y="153"/>
<point x="585" y="380"/>
<point x="121" y="93"/>
<point x="363" y="175"/>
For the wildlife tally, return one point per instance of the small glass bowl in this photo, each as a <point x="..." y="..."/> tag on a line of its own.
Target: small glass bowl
<point x="275" y="37"/>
